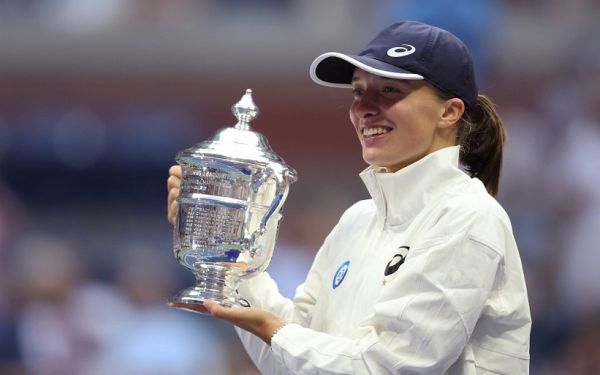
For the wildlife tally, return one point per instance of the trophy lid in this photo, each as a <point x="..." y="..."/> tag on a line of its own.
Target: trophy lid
<point x="240" y="142"/>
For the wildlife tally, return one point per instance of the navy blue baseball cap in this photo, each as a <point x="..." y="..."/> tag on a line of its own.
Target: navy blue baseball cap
<point x="406" y="50"/>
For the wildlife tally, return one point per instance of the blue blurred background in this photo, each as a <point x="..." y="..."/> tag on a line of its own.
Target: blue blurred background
<point x="97" y="96"/>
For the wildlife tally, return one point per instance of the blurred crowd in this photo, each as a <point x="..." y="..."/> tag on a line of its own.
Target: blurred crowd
<point x="96" y="97"/>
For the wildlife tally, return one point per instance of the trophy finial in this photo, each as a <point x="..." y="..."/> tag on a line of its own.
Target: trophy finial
<point x="245" y="111"/>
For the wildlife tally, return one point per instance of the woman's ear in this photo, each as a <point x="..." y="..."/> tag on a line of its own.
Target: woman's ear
<point x="453" y="111"/>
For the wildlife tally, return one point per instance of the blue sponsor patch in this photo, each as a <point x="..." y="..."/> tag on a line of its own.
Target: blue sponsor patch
<point x="340" y="274"/>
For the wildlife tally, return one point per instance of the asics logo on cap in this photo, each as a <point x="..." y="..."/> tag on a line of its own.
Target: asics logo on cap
<point x="402" y="50"/>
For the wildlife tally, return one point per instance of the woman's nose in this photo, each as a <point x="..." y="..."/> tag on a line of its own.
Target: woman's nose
<point x="366" y="106"/>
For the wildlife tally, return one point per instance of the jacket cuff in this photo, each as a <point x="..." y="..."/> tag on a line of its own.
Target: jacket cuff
<point x="283" y="335"/>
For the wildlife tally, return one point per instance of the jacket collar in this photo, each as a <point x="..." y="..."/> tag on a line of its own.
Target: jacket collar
<point x="401" y="195"/>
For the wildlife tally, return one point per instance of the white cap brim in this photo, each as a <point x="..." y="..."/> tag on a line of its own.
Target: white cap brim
<point x="367" y="64"/>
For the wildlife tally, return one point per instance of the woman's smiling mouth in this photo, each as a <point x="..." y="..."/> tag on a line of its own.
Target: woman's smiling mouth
<point x="374" y="131"/>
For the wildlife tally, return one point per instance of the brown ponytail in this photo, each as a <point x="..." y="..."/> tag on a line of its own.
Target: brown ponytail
<point x="481" y="136"/>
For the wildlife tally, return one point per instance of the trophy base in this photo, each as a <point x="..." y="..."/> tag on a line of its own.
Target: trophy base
<point x="215" y="283"/>
<point x="191" y="307"/>
<point x="192" y="299"/>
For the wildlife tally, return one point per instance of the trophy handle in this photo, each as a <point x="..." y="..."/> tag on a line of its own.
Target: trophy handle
<point x="279" y="176"/>
<point x="278" y="199"/>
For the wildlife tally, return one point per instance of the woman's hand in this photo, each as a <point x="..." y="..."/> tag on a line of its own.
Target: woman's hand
<point x="256" y="321"/>
<point x="259" y="322"/>
<point x="173" y="187"/>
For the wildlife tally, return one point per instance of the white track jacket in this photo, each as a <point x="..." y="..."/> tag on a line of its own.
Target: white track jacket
<point x="424" y="278"/>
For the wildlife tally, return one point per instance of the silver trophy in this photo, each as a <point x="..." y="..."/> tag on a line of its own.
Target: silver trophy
<point x="233" y="188"/>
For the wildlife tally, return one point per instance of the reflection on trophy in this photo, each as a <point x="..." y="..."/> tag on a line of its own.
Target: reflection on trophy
<point x="232" y="192"/>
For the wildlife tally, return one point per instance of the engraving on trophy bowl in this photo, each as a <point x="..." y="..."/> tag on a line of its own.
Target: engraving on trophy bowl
<point x="232" y="191"/>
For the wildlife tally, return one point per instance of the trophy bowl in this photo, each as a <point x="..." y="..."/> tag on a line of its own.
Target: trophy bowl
<point x="232" y="190"/>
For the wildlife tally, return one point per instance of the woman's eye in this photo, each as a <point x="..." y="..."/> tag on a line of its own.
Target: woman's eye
<point x="357" y="91"/>
<point x="388" y="89"/>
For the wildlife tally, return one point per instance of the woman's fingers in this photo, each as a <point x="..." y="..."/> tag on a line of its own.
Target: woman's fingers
<point x="189" y="306"/>
<point x="173" y="182"/>
<point x="175" y="170"/>
<point x="172" y="205"/>
<point x="173" y="194"/>
<point x="173" y="187"/>
<point x="172" y="211"/>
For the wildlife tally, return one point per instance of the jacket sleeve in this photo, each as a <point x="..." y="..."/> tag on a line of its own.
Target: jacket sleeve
<point x="419" y="325"/>
<point x="262" y="292"/>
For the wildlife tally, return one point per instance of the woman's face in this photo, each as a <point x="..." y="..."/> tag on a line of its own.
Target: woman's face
<point x="397" y="121"/>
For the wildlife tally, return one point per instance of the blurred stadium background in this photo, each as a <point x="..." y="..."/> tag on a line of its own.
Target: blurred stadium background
<point x="97" y="96"/>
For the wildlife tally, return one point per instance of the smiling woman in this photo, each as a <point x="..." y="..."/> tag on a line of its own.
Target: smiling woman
<point x="425" y="277"/>
<point x="399" y="122"/>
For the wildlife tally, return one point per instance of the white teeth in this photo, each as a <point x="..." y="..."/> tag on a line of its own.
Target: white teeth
<point x="369" y="132"/>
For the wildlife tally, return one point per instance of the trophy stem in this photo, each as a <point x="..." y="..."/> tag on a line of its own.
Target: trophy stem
<point x="216" y="282"/>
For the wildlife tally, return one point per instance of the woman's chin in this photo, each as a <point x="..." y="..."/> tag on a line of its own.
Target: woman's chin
<point x="376" y="161"/>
